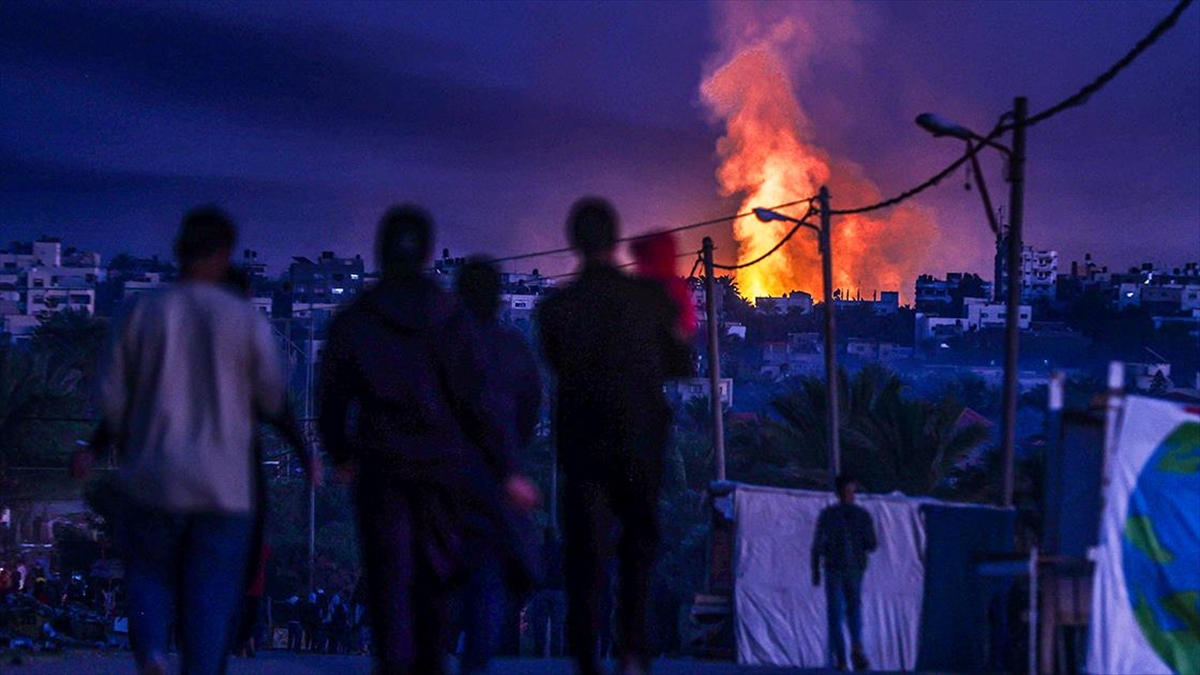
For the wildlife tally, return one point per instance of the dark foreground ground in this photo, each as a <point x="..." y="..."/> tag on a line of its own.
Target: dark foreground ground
<point x="283" y="663"/>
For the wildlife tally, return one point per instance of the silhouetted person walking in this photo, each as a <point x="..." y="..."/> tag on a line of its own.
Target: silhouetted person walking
<point x="405" y="399"/>
<point x="188" y="372"/>
<point x="845" y="536"/>
<point x="610" y="340"/>
<point x="518" y="395"/>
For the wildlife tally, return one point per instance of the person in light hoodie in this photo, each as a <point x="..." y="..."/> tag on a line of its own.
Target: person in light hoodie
<point x="189" y="372"/>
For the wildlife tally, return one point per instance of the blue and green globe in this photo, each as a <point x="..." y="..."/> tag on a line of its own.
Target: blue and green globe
<point x="1161" y="550"/>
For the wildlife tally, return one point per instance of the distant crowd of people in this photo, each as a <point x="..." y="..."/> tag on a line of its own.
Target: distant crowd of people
<point x="36" y="581"/>
<point x="425" y="403"/>
<point x="327" y="623"/>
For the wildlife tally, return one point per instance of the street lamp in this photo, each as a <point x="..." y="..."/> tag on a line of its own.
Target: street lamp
<point x="1016" y="207"/>
<point x="833" y="448"/>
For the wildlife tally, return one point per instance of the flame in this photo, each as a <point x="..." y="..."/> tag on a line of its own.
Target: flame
<point x="768" y="156"/>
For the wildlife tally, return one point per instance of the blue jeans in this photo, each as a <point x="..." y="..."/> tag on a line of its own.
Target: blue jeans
<point x="843" y="595"/>
<point x="191" y="566"/>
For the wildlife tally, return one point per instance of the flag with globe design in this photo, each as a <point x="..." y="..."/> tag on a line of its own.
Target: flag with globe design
<point x="1146" y="596"/>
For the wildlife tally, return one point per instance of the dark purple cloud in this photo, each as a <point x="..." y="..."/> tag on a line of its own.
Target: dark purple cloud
<point x="307" y="119"/>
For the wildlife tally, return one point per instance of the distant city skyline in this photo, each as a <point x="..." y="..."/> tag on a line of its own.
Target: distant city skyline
<point x="307" y="123"/>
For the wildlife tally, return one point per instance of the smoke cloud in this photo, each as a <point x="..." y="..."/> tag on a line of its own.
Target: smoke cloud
<point x="770" y="153"/>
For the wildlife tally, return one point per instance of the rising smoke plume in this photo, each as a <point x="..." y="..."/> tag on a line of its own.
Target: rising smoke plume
<point x="770" y="154"/>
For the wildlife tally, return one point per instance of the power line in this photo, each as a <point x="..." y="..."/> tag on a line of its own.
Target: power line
<point x="1077" y="99"/>
<point x="803" y="222"/>
<point x="672" y="230"/>
<point x="621" y="266"/>
<point x="913" y="191"/>
<point x="1081" y="97"/>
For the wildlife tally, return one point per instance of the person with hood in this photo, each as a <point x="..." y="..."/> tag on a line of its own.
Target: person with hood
<point x="519" y="389"/>
<point x="406" y="411"/>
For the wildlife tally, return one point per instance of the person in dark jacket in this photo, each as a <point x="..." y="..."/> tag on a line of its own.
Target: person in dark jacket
<point x="406" y="407"/>
<point x="845" y="536"/>
<point x="611" y="342"/>
<point x="519" y="393"/>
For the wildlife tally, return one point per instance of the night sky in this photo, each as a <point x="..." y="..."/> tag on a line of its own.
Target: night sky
<point x="307" y="119"/>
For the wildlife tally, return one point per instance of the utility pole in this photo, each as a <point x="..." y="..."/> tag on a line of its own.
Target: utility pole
<point x="308" y="415"/>
<point x="1012" y="325"/>
<point x="831" y="375"/>
<point x="714" y="360"/>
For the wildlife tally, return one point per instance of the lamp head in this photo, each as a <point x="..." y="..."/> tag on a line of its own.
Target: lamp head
<point x="942" y="127"/>
<point x="767" y="215"/>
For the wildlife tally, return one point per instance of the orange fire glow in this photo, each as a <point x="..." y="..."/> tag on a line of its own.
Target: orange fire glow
<point x="768" y="157"/>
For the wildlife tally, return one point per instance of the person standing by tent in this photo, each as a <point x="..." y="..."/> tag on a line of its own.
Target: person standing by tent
<point x="845" y="536"/>
<point x="612" y="344"/>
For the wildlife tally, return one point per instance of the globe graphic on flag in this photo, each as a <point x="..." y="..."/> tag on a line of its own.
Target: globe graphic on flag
<point x="1160" y="549"/>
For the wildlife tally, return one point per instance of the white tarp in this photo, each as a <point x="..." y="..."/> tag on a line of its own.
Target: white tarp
<point x="780" y="615"/>
<point x="1146" y="594"/>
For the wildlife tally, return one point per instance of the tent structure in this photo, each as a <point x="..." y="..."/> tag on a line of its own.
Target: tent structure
<point x="920" y="591"/>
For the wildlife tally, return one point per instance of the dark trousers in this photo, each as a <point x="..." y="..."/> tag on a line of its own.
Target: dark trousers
<point x="591" y="509"/>
<point x="843" y="597"/>
<point x="294" y="634"/>
<point x="407" y="590"/>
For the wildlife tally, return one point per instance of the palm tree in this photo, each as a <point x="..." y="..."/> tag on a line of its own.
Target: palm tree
<point x="892" y="442"/>
<point x="36" y="392"/>
<point x="908" y="445"/>
<point x="28" y="380"/>
<point x="73" y="339"/>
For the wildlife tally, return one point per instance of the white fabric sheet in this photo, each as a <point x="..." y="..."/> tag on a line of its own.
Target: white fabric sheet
<point x="780" y="615"/>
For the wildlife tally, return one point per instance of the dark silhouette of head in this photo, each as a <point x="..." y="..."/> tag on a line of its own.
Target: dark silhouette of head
<point x="205" y="243"/>
<point x="846" y="486"/>
<point x="404" y="241"/>
<point x="478" y="286"/>
<point x="592" y="228"/>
